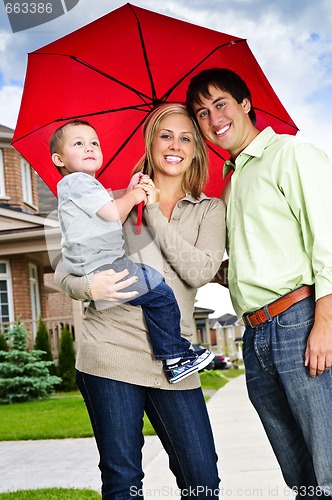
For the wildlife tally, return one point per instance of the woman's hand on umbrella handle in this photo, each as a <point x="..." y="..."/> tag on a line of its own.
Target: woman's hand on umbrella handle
<point x="106" y="285"/>
<point x="150" y="189"/>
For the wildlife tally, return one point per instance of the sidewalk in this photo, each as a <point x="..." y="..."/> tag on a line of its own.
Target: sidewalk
<point x="246" y="463"/>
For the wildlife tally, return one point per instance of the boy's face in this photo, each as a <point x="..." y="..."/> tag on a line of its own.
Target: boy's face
<point x="81" y="150"/>
<point x="224" y="121"/>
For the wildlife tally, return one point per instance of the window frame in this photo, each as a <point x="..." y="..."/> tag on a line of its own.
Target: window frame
<point x="2" y="175"/>
<point x="7" y="276"/>
<point x="27" y="194"/>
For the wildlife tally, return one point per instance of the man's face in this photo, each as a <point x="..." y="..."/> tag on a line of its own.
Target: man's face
<point x="224" y="121"/>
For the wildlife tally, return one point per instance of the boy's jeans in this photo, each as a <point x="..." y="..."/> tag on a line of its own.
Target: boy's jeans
<point x="160" y="308"/>
<point x="295" y="409"/>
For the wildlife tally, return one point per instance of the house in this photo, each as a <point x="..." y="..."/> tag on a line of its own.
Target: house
<point x="28" y="242"/>
<point x="227" y="331"/>
<point x="203" y="331"/>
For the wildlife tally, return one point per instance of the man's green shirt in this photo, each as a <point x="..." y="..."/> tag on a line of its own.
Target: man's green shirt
<point x="279" y="220"/>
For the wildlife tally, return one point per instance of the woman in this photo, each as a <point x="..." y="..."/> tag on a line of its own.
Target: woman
<point x="116" y="371"/>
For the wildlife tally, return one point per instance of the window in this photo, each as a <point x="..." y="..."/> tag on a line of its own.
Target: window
<point x="34" y="294"/>
<point x="6" y="293"/>
<point x="26" y="182"/>
<point x="2" y="176"/>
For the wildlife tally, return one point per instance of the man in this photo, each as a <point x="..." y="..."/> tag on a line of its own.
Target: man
<point x="279" y="210"/>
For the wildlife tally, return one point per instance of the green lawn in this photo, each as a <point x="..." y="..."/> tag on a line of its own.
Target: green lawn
<point x="65" y="416"/>
<point x="51" y="494"/>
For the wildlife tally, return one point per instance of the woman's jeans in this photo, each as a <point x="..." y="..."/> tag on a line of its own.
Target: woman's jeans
<point x="179" y="418"/>
<point x="295" y="409"/>
<point x="159" y="305"/>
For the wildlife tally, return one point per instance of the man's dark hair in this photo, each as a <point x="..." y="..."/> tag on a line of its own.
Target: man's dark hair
<point x="222" y="78"/>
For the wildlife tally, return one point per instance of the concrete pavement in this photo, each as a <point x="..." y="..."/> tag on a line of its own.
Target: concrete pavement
<point x="246" y="462"/>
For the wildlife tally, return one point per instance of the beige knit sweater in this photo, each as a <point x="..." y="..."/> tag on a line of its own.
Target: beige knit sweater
<point x="188" y="251"/>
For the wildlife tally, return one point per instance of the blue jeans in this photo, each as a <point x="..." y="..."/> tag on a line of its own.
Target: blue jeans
<point x="295" y="409"/>
<point x="160" y="308"/>
<point x="179" y="418"/>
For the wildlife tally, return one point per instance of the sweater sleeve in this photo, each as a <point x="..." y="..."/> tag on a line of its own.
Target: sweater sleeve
<point x="194" y="254"/>
<point x="77" y="287"/>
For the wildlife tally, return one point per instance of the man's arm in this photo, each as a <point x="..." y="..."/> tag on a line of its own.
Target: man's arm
<point x="318" y="354"/>
<point x="222" y="275"/>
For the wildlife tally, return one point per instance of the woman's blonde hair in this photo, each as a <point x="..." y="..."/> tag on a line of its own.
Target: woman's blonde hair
<point x="196" y="175"/>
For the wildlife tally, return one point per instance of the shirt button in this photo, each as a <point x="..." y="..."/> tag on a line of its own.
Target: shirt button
<point x="176" y="217"/>
<point x="166" y="269"/>
<point x="179" y="204"/>
<point x="157" y="382"/>
<point x="159" y="362"/>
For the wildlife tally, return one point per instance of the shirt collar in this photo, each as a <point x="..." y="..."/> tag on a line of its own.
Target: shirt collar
<point x="254" y="149"/>
<point x="189" y="198"/>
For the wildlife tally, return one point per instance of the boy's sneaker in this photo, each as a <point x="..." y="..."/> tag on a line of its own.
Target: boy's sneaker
<point x="187" y="365"/>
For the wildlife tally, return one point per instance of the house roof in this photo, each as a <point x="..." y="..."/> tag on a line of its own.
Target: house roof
<point x="6" y="130"/>
<point x="225" y="320"/>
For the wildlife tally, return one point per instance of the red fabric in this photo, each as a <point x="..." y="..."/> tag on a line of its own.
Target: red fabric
<point x="113" y="71"/>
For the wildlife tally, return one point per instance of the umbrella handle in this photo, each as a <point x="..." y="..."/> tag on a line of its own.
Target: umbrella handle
<point x="138" y="227"/>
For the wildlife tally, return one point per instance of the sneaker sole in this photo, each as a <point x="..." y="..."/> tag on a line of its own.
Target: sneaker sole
<point x="184" y="375"/>
<point x="206" y="361"/>
<point x="196" y="368"/>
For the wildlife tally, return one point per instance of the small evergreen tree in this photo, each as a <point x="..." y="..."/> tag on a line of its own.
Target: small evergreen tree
<point x="66" y="361"/>
<point x="42" y="343"/>
<point x="23" y="375"/>
<point x="3" y="343"/>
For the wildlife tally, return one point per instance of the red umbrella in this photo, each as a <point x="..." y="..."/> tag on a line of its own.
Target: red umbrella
<point x="114" y="71"/>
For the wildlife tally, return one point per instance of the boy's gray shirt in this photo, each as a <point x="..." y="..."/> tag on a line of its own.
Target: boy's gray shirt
<point x="88" y="241"/>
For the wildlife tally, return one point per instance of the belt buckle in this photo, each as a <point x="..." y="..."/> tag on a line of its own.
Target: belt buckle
<point x="247" y="321"/>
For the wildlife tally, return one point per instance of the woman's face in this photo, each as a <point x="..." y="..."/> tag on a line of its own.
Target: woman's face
<point x="173" y="147"/>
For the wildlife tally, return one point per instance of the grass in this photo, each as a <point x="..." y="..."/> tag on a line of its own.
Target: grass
<point x="65" y="416"/>
<point x="51" y="494"/>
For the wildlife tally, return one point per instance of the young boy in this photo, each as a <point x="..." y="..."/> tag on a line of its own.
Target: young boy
<point x="92" y="241"/>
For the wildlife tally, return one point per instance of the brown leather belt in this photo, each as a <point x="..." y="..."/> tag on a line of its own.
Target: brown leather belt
<point x="271" y="310"/>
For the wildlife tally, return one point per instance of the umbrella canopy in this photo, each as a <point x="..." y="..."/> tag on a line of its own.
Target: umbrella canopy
<point x="114" y="71"/>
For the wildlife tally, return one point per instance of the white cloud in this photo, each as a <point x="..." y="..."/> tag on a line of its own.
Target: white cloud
<point x="8" y="114"/>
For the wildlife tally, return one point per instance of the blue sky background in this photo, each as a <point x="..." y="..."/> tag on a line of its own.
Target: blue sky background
<point x="292" y="41"/>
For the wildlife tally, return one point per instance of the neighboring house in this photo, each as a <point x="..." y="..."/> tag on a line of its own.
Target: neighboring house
<point x="24" y="257"/>
<point x="223" y="334"/>
<point x="203" y="331"/>
<point x="227" y="332"/>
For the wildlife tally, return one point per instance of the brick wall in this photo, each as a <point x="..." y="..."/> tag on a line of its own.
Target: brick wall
<point x="13" y="182"/>
<point x="59" y="304"/>
<point x="19" y="265"/>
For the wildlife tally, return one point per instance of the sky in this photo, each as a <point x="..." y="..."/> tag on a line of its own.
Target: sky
<point x="291" y="40"/>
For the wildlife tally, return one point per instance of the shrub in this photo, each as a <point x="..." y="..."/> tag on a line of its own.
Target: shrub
<point x="66" y="361"/>
<point x="3" y="343"/>
<point x="42" y="343"/>
<point x="23" y="374"/>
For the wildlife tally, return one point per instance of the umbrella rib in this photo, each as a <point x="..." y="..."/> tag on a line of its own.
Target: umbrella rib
<point x="216" y="152"/>
<point x="129" y="87"/>
<point x="145" y="55"/>
<point x="138" y="107"/>
<point x="276" y="117"/>
<point x="122" y="146"/>
<point x="141" y="95"/>
<point x="198" y="64"/>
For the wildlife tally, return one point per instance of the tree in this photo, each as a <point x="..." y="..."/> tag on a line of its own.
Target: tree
<point x="66" y="361"/>
<point x="42" y="343"/>
<point x="23" y="374"/>
<point x="3" y="343"/>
